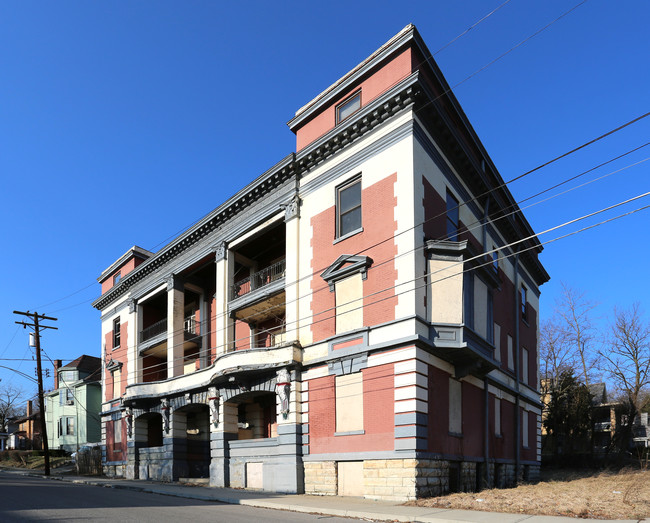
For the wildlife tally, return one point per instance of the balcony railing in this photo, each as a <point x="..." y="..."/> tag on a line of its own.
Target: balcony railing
<point x="153" y="330"/>
<point x="190" y="325"/>
<point x="258" y="279"/>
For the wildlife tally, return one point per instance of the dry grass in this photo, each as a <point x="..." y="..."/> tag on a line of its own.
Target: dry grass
<point x="579" y="494"/>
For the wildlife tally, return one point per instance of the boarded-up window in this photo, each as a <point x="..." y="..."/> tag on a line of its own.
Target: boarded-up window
<point x="349" y="402"/>
<point x="117" y="382"/>
<point x="349" y="304"/>
<point x="455" y="406"/>
<point x="524" y="429"/>
<point x="117" y="432"/>
<point x="497" y="417"/>
<point x="497" y="342"/>
<point x="524" y="365"/>
<point x="511" y="363"/>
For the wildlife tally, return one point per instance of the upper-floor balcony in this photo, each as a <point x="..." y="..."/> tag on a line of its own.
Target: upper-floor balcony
<point x="157" y="332"/>
<point x="258" y="280"/>
<point x="258" y="286"/>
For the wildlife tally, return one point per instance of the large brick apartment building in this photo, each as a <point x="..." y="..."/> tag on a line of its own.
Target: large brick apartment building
<point x="358" y="320"/>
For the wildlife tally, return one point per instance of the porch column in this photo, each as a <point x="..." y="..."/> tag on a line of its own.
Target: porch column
<point x="136" y="437"/>
<point x="175" y="337"/>
<point x="134" y="374"/>
<point x="225" y="265"/>
<point x="292" y="270"/>
<point x="204" y="355"/>
<point x="223" y="429"/>
<point x="289" y="472"/>
<point x="176" y="442"/>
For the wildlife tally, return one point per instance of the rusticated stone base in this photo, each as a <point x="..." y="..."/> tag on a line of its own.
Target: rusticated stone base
<point x="321" y="478"/>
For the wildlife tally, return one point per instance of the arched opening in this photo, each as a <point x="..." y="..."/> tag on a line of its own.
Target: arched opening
<point x="149" y="430"/>
<point x="194" y="421"/>
<point x="256" y="415"/>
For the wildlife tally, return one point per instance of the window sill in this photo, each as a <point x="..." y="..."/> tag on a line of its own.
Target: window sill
<point x="350" y="433"/>
<point x="348" y="235"/>
<point x="456" y="434"/>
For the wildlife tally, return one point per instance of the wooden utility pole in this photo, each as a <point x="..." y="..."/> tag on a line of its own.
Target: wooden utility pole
<point x="39" y="370"/>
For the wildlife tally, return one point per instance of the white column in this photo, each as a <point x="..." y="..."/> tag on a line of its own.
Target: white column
<point x="223" y="325"/>
<point x="292" y="271"/>
<point x="175" y="337"/>
<point x="134" y="374"/>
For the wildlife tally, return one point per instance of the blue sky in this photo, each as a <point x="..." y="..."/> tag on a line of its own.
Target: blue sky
<point x="121" y="123"/>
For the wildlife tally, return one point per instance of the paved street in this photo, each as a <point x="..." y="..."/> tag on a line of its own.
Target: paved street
<point x="24" y="498"/>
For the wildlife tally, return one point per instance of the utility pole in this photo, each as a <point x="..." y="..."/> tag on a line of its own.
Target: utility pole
<point x="41" y="402"/>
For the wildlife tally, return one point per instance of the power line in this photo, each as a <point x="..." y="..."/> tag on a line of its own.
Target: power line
<point x="208" y="350"/>
<point x="427" y="60"/>
<point x="478" y="223"/>
<point x="469" y="28"/>
<point x="477" y="257"/>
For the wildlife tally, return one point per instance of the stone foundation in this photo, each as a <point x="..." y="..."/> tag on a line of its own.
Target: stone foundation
<point x="408" y="479"/>
<point x="505" y="475"/>
<point x="114" y="470"/>
<point x="321" y="478"/>
<point x="390" y="479"/>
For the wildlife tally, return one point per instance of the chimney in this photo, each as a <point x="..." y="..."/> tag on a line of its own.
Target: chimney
<point x="28" y="412"/>
<point x="57" y="366"/>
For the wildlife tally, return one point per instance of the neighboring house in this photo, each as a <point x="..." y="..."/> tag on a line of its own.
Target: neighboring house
<point x="72" y="408"/>
<point x="4" y="440"/>
<point x="341" y="325"/>
<point x="641" y="430"/>
<point x="25" y="431"/>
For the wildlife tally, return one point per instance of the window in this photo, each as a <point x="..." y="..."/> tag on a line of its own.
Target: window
<point x="497" y="342"/>
<point x="497" y="417"/>
<point x="68" y="376"/>
<point x="349" y="304"/>
<point x="524" y="429"/>
<point x="348" y="107"/>
<point x="349" y="402"/>
<point x="522" y="299"/>
<point x="116" y="332"/>
<point x="511" y="356"/>
<point x="117" y="277"/>
<point x="66" y="426"/>
<point x="117" y="431"/>
<point x="66" y="396"/>
<point x="490" y="316"/>
<point x="453" y="218"/>
<point x="524" y="366"/>
<point x="495" y="259"/>
<point x="455" y="406"/>
<point x="117" y="382"/>
<point x="348" y="208"/>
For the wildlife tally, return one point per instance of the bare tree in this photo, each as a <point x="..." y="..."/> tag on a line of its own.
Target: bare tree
<point x="627" y="356"/>
<point x="555" y="352"/>
<point x="11" y="398"/>
<point x="576" y="312"/>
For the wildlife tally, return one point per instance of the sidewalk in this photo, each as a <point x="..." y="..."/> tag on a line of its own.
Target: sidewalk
<point x="325" y="505"/>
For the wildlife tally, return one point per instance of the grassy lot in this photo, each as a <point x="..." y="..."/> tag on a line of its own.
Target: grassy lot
<point x="25" y="460"/>
<point x="623" y="494"/>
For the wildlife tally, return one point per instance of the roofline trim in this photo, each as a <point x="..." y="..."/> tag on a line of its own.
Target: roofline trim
<point x="307" y="110"/>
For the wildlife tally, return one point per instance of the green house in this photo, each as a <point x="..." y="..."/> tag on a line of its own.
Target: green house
<point x="72" y="408"/>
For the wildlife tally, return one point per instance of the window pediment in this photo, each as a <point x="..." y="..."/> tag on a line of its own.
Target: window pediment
<point x="346" y="265"/>
<point x="113" y="365"/>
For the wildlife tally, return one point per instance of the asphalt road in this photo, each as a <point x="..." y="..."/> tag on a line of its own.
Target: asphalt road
<point x="24" y="498"/>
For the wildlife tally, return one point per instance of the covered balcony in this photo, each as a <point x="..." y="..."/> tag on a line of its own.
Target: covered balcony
<point x="153" y="338"/>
